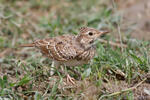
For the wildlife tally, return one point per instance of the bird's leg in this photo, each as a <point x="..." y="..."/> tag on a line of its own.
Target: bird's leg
<point x="76" y="72"/>
<point x="62" y="71"/>
<point x="69" y="78"/>
<point x="53" y="67"/>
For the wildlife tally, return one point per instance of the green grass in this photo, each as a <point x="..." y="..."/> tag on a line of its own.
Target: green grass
<point x="24" y="73"/>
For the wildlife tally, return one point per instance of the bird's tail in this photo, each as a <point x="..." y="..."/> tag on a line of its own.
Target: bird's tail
<point x="28" y="45"/>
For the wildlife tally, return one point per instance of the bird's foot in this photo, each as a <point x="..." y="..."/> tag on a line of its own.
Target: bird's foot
<point x="70" y="79"/>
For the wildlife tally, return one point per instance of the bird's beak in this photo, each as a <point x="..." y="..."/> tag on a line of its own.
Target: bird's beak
<point x="104" y="32"/>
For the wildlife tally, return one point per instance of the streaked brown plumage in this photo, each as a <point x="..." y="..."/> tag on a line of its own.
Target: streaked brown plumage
<point x="69" y="50"/>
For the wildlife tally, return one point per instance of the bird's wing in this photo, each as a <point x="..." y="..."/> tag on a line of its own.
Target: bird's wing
<point x="58" y="48"/>
<point x="65" y="47"/>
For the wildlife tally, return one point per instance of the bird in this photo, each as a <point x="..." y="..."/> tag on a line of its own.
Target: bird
<point x="68" y="49"/>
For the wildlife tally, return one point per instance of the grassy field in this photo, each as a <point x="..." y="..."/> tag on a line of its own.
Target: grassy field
<point x="113" y="74"/>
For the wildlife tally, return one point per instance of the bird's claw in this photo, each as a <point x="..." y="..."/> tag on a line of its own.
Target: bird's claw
<point x="70" y="79"/>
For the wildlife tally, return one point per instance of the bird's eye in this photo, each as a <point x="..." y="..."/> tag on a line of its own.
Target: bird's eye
<point x="90" y="33"/>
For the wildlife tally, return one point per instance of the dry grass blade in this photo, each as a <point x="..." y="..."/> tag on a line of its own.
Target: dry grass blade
<point x="126" y="90"/>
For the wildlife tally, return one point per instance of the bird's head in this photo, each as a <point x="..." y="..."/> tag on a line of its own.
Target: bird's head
<point x="87" y="36"/>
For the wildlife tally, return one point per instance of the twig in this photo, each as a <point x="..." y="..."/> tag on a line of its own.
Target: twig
<point x="113" y="43"/>
<point x="126" y="90"/>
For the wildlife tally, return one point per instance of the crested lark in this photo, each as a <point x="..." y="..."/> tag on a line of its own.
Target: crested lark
<point x="69" y="50"/>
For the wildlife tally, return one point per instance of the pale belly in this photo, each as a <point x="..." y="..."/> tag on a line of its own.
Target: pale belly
<point x="74" y="63"/>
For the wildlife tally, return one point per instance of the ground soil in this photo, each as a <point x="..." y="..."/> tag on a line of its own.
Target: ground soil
<point x="136" y="17"/>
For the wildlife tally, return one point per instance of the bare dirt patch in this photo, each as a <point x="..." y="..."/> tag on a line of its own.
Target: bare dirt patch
<point x="136" y="17"/>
